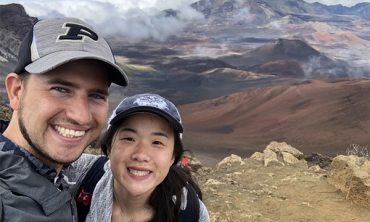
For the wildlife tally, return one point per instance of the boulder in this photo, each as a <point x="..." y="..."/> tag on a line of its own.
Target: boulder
<point x="270" y="157"/>
<point x="284" y="147"/>
<point x="280" y="154"/>
<point x="228" y="161"/>
<point x="350" y="174"/>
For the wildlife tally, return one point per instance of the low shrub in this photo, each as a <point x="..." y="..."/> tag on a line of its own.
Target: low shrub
<point x="358" y="150"/>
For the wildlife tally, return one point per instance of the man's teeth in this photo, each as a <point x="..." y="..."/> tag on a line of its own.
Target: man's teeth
<point x="138" y="173"/>
<point x="69" y="132"/>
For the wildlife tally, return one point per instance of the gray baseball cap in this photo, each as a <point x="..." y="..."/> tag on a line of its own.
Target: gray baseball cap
<point x="148" y="103"/>
<point x="53" y="42"/>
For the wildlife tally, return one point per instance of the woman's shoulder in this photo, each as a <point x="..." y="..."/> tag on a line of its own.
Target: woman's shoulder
<point x="203" y="212"/>
<point x="85" y="161"/>
<point x="191" y="202"/>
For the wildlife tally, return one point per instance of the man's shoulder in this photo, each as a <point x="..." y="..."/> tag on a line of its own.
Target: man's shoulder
<point x="9" y="160"/>
<point x="23" y="177"/>
<point x="6" y="144"/>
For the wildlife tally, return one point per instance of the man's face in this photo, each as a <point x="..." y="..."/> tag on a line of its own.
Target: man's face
<point x="63" y="111"/>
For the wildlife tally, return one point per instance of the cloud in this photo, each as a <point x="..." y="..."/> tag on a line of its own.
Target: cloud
<point x="137" y="19"/>
<point x="275" y="24"/>
<point x="243" y="16"/>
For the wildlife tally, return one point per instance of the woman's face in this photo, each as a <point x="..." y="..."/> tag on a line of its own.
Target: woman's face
<point x="142" y="153"/>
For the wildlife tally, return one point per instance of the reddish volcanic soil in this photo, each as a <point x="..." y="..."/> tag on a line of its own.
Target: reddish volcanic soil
<point x="323" y="116"/>
<point x="339" y="38"/>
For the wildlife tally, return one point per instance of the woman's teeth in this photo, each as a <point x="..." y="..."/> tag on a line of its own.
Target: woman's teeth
<point x="138" y="173"/>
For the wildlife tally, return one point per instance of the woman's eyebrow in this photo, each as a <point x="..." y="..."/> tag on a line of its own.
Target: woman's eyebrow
<point x="160" y="134"/>
<point x="128" y="129"/>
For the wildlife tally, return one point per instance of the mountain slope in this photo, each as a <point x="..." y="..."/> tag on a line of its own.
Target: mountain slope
<point x="323" y="116"/>
<point x="250" y="11"/>
<point x="14" y="25"/>
<point x="258" y="12"/>
<point x="360" y="9"/>
<point x="315" y="64"/>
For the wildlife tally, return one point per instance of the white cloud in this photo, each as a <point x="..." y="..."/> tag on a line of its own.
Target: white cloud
<point x="139" y="19"/>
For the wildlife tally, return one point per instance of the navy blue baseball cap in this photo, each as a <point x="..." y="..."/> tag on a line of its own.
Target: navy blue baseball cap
<point x="148" y="103"/>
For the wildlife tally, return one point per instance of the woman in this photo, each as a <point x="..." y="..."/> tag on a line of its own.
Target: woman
<point x="141" y="180"/>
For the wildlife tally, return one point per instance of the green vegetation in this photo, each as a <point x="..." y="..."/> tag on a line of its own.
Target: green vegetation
<point x="357" y="150"/>
<point x="132" y="69"/>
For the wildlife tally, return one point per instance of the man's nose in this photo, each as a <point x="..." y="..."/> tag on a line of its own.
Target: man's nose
<point x="79" y="110"/>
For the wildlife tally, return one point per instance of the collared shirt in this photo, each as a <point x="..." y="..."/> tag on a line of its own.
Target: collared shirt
<point x="63" y="181"/>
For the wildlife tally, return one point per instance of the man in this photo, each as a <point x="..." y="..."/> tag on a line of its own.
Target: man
<point x="59" y="96"/>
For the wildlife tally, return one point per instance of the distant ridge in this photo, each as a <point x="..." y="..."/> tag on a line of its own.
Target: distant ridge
<point x="259" y="12"/>
<point x="360" y="9"/>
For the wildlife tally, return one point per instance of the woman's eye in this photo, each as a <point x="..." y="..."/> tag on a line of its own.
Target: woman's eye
<point x="129" y="139"/>
<point x="157" y="143"/>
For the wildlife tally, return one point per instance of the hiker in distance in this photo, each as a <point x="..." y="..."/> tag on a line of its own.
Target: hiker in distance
<point x="59" y="96"/>
<point x="139" y="178"/>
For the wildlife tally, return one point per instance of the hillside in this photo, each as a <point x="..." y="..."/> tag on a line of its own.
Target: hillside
<point x="342" y="39"/>
<point x="323" y="116"/>
<point x="221" y="12"/>
<point x="316" y="62"/>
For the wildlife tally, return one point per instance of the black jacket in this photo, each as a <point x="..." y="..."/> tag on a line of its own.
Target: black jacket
<point x="26" y="195"/>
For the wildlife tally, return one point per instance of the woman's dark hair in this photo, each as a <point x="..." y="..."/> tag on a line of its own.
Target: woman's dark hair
<point x="165" y="209"/>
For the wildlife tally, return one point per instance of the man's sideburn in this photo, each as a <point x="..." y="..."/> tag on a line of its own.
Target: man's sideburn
<point x="22" y="126"/>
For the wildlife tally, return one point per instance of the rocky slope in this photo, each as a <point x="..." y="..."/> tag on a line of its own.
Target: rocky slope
<point x="281" y="189"/>
<point x="14" y="25"/>
<point x="14" y="18"/>
<point x="234" y="13"/>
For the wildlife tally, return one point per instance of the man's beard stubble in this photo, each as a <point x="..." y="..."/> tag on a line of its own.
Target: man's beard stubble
<point x="36" y="147"/>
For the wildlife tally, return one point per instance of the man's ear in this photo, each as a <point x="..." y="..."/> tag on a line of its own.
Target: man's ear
<point x="14" y="87"/>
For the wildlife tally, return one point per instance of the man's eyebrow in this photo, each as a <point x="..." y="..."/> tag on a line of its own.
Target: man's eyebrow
<point x="63" y="82"/>
<point x="101" y="91"/>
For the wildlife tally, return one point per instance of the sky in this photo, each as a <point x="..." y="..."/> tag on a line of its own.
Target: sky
<point x="136" y="19"/>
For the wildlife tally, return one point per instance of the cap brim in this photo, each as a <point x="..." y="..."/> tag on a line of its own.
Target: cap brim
<point x="149" y="109"/>
<point x="51" y="61"/>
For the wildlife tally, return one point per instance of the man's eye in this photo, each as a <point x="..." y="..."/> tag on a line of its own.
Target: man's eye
<point x="59" y="89"/>
<point x="96" y="96"/>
